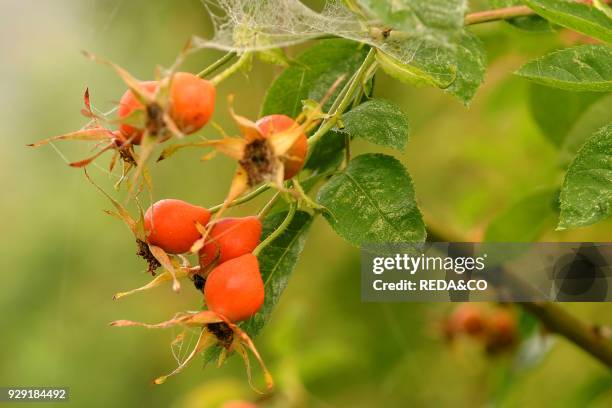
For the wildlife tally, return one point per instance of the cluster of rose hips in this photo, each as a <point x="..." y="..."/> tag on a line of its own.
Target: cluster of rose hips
<point x="496" y="329"/>
<point x="228" y="272"/>
<point x="271" y="150"/>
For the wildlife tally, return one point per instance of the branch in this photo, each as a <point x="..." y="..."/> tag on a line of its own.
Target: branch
<point x="506" y="13"/>
<point x="498" y="14"/>
<point x="586" y="336"/>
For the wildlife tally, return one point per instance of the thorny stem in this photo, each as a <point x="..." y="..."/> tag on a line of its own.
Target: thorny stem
<point x="232" y="69"/>
<point x="277" y="232"/>
<point x="586" y="336"/>
<point x="213" y="67"/>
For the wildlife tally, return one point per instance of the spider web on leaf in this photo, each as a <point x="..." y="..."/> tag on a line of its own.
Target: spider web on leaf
<point x="430" y="28"/>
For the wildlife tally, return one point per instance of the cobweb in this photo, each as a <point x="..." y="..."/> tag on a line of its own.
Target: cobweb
<point x="247" y="25"/>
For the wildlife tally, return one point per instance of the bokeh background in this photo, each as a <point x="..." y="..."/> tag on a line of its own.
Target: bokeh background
<point x="63" y="258"/>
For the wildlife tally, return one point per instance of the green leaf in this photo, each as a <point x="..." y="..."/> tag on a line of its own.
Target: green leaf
<point x="312" y="75"/>
<point x="556" y="110"/>
<point x="373" y="200"/>
<point x="276" y="263"/>
<point x="417" y="39"/>
<point x="471" y="66"/>
<point x="525" y="23"/>
<point x="581" y="68"/>
<point x="595" y="117"/>
<point x="586" y="196"/>
<point x="378" y="121"/>
<point x="424" y="70"/>
<point x="525" y="220"/>
<point x="433" y="15"/>
<point x="577" y="16"/>
<point x="327" y="153"/>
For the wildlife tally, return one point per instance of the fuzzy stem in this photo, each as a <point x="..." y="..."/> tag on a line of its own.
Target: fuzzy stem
<point x="277" y="232"/>
<point x="213" y="67"/>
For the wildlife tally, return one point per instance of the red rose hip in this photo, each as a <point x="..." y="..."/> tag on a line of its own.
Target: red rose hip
<point x="171" y="224"/>
<point x="192" y="101"/>
<point x="296" y="155"/>
<point x="230" y="238"/>
<point x="128" y="104"/>
<point x="234" y="289"/>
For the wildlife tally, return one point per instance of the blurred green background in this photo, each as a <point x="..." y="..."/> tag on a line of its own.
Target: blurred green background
<point x="63" y="258"/>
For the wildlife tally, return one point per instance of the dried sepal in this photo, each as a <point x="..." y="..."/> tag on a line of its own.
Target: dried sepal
<point x="134" y="84"/>
<point x="248" y="128"/>
<point x="165" y="260"/>
<point x="88" y="135"/>
<point x="87" y="161"/>
<point x="121" y="211"/>
<point x="160" y="279"/>
<point x="189" y="319"/>
<point x="205" y="340"/>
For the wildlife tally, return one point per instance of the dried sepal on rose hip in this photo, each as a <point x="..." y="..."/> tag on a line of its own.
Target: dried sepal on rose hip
<point x="216" y="331"/>
<point x="149" y="113"/>
<point x="96" y="131"/>
<point x="169" y="223"/>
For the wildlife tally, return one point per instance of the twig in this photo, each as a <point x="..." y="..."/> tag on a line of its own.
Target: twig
<point x="554" y="317"/>
<point x="498" y="14"/>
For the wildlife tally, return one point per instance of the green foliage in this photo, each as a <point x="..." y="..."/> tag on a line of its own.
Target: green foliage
<point x="525" y="220"/>
<point x="586" y="196"/>
<point x="440" y="16"/>
<point x="526" y="23"/>
<point x="471" y="66"/>
<point x="576" y="16"/>
<point x="312" y="75"/>
<point x="581" y="68"/>
<point x="327" y="153"/>
<point x="424" y="33"/>
<point x="277" y="261"/>
<point x="464" y="72"/>
<point x="556" y="110"/>
<point x="378" y="121"/>
<point x="420" y="72"/>
<point x="373" y="200"/>
<point x="595" y="117"/>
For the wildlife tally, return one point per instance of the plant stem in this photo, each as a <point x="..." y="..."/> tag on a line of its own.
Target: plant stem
<point x="232" y="69"/>
<point x="213" y="67"/>
<point x="585" y="336"/>
<point x="242" y="199"/>
<point x="268" y="206"/>
<point x="506" y="13"/>
<point x="554" y="317"/>
<point x="497" y="14"/>
<point x="345" y="98"/>
<point x="278" y="231"/>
